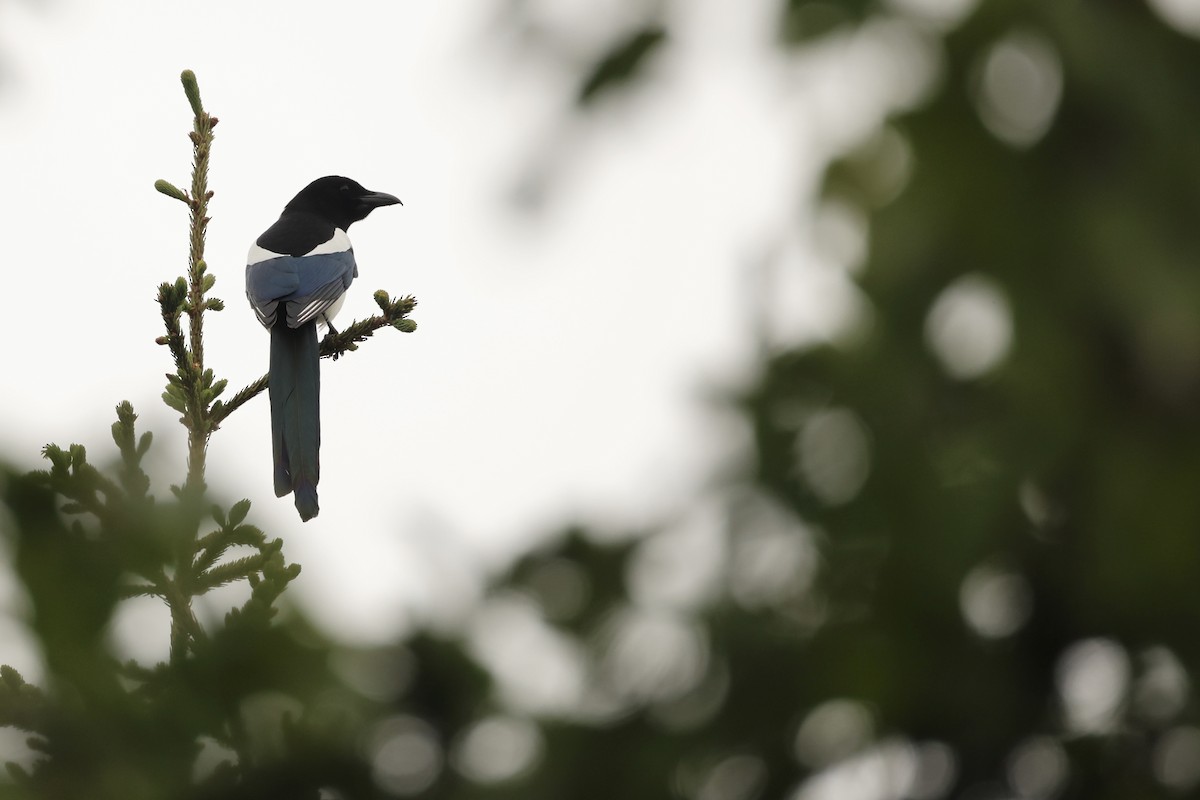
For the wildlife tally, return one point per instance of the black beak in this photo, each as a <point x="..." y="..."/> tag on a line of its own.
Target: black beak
<point x="376" y="199"/>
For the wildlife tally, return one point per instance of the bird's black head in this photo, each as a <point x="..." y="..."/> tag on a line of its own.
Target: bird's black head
<point x="339" y="200"/>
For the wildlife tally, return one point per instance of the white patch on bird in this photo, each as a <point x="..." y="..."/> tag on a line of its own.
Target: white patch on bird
<point x="308" y="312"/>
<point x="338" y="243"/>
<point x="333" y="309"/>
<point x="258" y="255"/>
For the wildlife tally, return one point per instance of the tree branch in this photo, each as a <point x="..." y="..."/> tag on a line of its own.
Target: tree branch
<point x="202" y="138"/>
<point x="395" y="313"/>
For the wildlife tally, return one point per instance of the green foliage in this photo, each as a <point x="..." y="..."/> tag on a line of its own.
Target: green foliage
<point x="102" y="728"/>
<point x="85" y="539"/>
<point x="805" y="21"/>
<point x="930" y="577"/>
<point x="993" y="571"/>
<point x="623" y="63"/>
<point x="170" y="190"/>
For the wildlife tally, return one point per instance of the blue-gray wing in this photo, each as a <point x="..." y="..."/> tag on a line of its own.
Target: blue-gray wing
<point x="306" y="286"/>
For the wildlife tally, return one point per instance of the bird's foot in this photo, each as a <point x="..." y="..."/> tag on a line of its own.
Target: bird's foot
<point x="329" y="337"/>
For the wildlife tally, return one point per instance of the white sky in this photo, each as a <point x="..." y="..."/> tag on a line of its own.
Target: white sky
<point x="558" y="368"/>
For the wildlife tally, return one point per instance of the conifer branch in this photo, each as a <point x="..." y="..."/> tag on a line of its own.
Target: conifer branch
<point x="22" y="705"/>
<point x="193" y="388"/>
<point x="202" y="138"/>
<point x="186" y="631"/>
<point x="101" y="537"/>
<point x="394" y="313"/>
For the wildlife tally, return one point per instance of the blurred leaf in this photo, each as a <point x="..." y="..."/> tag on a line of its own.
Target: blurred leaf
<point x="805" y="20"/>
<point x="624" y="62"/>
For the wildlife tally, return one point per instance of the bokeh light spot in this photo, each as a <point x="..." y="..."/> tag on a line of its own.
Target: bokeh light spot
<point x="969" y="327"/>
<point x="697" y="706"/>
<point x="840" y="234"/>
<point x="1037" y="769"/>
<point x="937" y="770"/>
<point x="833" y="731"/>
<point x="680" y="568"/>
<point x="498" y="749"/>
<point x="835" y="455"/>
<point x="886" y="771"/>
<point x="882" y="166"/>
<point x="1019" y="86"/>
<point x="1038" y="505"/>
<point x="1092" y="676"/>
<point x="651" y="656"/>
<point x="773" y="558"/>
<point x="537" y="668"/>
<point x="995" y="602"/>
<point x="1177" y="759"/>
<point x="1183" y="15"/>
<point x="739" y="777"/>
<point x="1162" y="690"/>
<point x="405" y="757"/>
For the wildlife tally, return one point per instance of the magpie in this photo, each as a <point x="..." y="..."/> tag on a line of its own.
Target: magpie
<point x="297" y="274"/>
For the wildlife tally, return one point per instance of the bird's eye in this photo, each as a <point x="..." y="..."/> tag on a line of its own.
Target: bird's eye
<point x="345" y="187"/>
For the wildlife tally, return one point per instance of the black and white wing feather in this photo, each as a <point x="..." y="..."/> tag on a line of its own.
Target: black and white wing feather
<point x="308" y="287"/>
